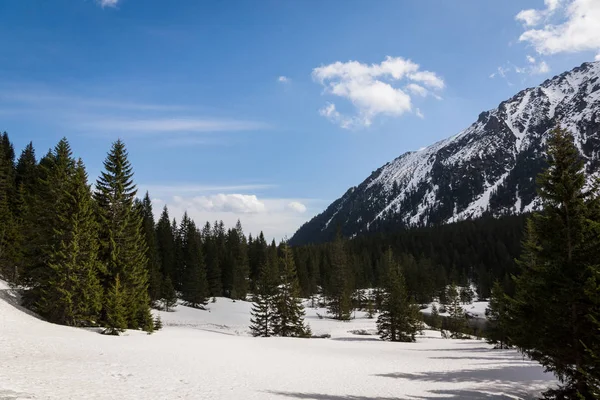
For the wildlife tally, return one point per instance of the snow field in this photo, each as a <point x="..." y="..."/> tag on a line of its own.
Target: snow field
<point x="209" y="355"/>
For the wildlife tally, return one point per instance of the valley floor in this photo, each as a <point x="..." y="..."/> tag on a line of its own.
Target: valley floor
<point x="209" y="355"/>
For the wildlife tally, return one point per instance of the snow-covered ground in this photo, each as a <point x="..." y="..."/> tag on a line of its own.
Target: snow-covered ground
<point x="209" y="355"/>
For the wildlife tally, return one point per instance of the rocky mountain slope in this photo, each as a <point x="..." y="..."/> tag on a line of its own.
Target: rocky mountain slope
<point x="489" y="168"/>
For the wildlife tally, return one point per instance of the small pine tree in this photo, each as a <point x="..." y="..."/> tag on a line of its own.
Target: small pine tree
<point x="289" y="312"/>
<point x="114" y="304"/>
<point x="436" y="321"/>
<point x="466" y="295"/>
<point x="457" y="320"/>
<point x="263" y="309"/>
<point x="157" y="323"/>
<point x="340" y="292"/>
<point x="399" y="320"/>
<point x="498" y="324"/>
<point x="169" y="296"/>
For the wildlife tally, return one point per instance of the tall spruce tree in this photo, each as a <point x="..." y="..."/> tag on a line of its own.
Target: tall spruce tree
<point x="340" y="290"/>
<point x="168" y="295"/>
<point x="71" y="293"/>
<point x="289" y="314"/>
<point x="239" y="249"/>
<point x="9" y="232"/>
<point x="149" y="233"/>
<point x="211" y="257"/>
<point x="264" y="315"/>
<point x="56" y="171"/>
<point x="165" y="245"/>
<point x="556" y="301"/>
<point x="122" y="246"/>
<point x="399" y="320"/>
<point x="457" y="319"/>
<point x="497" y="317"/>
<point x="195" y="287"/>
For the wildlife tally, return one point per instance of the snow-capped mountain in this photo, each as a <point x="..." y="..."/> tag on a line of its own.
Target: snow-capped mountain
<point x="489" y="168"/>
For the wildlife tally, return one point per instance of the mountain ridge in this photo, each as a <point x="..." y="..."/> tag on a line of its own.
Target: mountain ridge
<point x="488" y="168"/>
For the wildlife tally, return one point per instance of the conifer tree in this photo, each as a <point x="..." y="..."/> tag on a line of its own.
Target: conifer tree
<point x="195" y="287"/>
<point x="10" y="243"/>
<point x="457" y="320"/>
<point x="211" y="256"/>
<point x="556" y="299"/>
<point x="169" y="296"/>
<point x="264" y="307"/>
<point x="436" y="322"/>
<point x="115" y="306"/>
<point x="122" y="246"/>
<point x="399" y="320"/>
<point x="289" y="319"/>
<point x="149" y="234"/>
<point x="165" y="245"/>
<point x="239" y="249"/>
<point x="339" y="293"/>
<point x="72" y="294"/>
<point x="56" y="172"/>
<point x="497" y="317"/>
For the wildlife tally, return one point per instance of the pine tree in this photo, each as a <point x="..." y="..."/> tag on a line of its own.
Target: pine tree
<point x="122" y="246"/>
<point x="169" y="296"/>
<point x="496" y="314"/>
<point x="195" y="287"/>
<point x="149" y="234"/>
<point x="264" y="307"/>
<point x="72" y="293"/>
<point x="436" y="322"/>
<point x="289" y="314"/>
<point x="457" y="320"/>
<point x="115" y="307"/>
<point x="158" y="325"/>
<point x="8" y="223"/>
<point x="466" y="295"/>
<point x="211" y="256"/>
<point x="399" y="320"/>
<point x="556" y="299"/>
<point x="165" y="245"/>
<point x="340" y="291"/>
<point x="56" y="172"/>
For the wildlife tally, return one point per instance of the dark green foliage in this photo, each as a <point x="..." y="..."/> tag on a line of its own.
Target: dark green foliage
<point x="122" y="246"/>
<point x="168" y="296"/>
<point x="236" y="263"/>
<point x="340" y="289"/>
<point x="264" y="311"/>
<point x="399" y="320"/>
<point x="9" y="233"/>
<point x="165" y="242"/>
<point x="144" y="207"/>
<point x="466" y="295"/>
<point x="457" y="320"/>
<point x="157" y="323"/>
<point x="115" y="308"/>
<point x="289" y="312"/>
<point x="72" y="294"/>
<point x="211" y="258"/>
<point x="497" y="316"/>
<point x="195" y="287"/>
<point x="435" y="320"/>
<point x="556" y="302"/>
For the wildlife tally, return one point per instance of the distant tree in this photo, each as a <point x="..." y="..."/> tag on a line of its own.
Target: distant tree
<point x="497" y="316"/>
<point x="169" y="296"/>
<point x="195" y="290"/>
<point x="436" y="321"/>
<point x="115" y="307"/>
<point x="264" y="308"/>
<point x="157" y="323"/>
<point x="340" y="291"/>
<point x="165" y="245"/>
<point x="399" y="320"/>
<point x="457" y="320"/>
<point x="289" y="314"/>
<point x="149" y="234"/>
<point x="466" y="295"/>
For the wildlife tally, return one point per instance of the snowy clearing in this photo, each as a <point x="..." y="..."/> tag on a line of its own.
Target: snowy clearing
<point x="209" y="355"/>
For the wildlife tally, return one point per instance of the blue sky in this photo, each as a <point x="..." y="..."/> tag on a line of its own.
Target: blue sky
<point x="269" y="110"/>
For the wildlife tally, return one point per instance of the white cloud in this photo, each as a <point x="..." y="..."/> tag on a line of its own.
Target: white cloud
<point x="417" y="89"/>
<point x="107" y="3"/>
<point x="575" y="26"/>
<point x="176" y="124"/>
<point x="297" y="206"/>
<point x="371" y="88"/>
<point x="541" y="68"/>
<point x="419" y="114"/>
<point x="283" y="79"/>
<point x="530" y="59"/>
